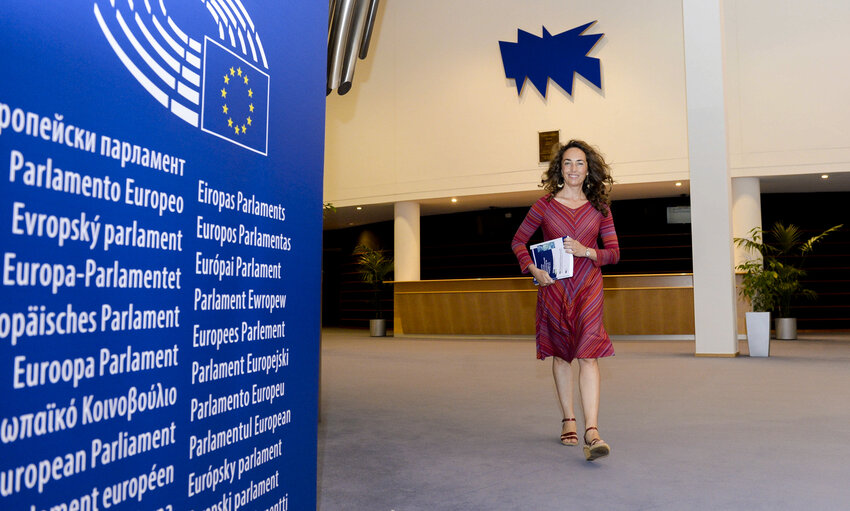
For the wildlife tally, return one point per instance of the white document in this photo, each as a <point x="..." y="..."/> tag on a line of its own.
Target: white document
<point x="551" y="257"/>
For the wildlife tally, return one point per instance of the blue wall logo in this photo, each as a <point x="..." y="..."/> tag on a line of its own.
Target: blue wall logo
<point x="557" y="57"/>
<point x="185" y="76"/>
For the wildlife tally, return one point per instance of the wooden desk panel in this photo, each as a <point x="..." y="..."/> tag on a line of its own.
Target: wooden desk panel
<point x="470" y="313"/>
<point x="634" y="305"/>
<point x="648" y="311"/>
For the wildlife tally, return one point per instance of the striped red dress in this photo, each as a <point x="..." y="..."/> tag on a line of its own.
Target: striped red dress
<point x="569" y="312"/>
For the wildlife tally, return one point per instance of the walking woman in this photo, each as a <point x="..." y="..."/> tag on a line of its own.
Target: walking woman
<point x="569" y="311"/>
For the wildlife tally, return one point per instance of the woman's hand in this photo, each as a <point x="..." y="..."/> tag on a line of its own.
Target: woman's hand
<point x="574" y="247"/>
<point x="543" y="278"/>
<point x="577" y="249"/>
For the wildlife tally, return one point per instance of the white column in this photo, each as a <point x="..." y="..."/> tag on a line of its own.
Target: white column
<point x="746" y="212"/>
<point x="711" y="194"/>
<point x="407" y="243"/>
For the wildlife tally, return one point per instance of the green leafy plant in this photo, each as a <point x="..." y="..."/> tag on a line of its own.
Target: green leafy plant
<point x="772" y="281"/>
<point x="757" y="286"/>
<point x="373" y="267"/>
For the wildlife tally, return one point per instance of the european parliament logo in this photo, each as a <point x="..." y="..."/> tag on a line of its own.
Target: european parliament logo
<point x="188" y="78"/>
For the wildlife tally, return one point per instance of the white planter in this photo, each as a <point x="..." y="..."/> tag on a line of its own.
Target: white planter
<point x="758" y="333"/>
<point x="786" y="328"/>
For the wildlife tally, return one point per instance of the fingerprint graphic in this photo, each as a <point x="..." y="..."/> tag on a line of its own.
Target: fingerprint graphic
<point x="169" y="63"/>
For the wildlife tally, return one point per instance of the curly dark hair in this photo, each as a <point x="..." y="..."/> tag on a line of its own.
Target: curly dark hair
<point x="597" y="185"/>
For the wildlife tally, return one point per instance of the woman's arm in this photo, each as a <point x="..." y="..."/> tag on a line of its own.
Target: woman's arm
<point x="528" y="227"/>
<point x="608" y="255"/>
<point x="611" y="253"/>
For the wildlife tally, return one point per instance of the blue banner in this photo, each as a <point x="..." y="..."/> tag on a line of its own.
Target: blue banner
<point x="160" y="222"/>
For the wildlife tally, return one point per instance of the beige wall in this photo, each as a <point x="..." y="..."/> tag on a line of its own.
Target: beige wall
<point x="787" y="86"/>
<point x="432" y="115"/>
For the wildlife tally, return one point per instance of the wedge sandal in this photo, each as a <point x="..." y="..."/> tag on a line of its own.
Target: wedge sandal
<point x="596" y="448"/>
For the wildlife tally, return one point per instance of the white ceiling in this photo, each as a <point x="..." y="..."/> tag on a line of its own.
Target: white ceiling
<point x="351" y="216"/>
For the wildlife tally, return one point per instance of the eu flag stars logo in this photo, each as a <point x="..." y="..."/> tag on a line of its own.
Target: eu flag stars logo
<point x="236" y="99"/>
<point x="234" y="79"/>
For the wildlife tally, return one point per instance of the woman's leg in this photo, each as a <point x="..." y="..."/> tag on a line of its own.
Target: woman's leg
<point x="588" y="380"/>
<point x="563" y="373"/>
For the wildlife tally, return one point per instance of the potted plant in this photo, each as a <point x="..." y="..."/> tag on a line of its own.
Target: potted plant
<point x="374" y="267"/>
<point x="781" y="252"/>
<point x="757" y="287"/>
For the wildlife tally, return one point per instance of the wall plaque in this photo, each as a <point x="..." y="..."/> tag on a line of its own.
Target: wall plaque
<point x="547" y="141"/>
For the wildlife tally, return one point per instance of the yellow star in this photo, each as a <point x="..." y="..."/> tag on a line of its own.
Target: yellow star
<point x="226" y="79"/>
<point x="239" y="71"/>
<point x="249" y="121"/>
<point x="250" y="93"/>
<point x="246" y="79"/>
<point x="224" y="93"/>
<point x="230" y="123"/>
<point x="232" y="71"/>
<point x="236" y="129"/>
<point x="251" y="107"/>
<point x="243" y="128"/>
<point x="224" y="109"/>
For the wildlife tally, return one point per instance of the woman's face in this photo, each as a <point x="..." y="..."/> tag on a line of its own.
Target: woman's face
<point x="574" y="166"/>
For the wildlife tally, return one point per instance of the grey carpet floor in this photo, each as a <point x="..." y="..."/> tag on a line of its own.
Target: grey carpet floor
<point x="423" y="424"/>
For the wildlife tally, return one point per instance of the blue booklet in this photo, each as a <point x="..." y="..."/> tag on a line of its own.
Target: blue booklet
<point x="551" y="257"/>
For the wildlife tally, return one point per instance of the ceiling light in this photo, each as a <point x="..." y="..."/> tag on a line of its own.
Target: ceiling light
<point x="824" y="176"/>
<point x="678" y="183"/>
<point x="359" y="208"/>
<point x="454" y="199"/>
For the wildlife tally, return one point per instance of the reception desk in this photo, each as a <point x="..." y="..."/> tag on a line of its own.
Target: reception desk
<point x="661" y="304"/>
